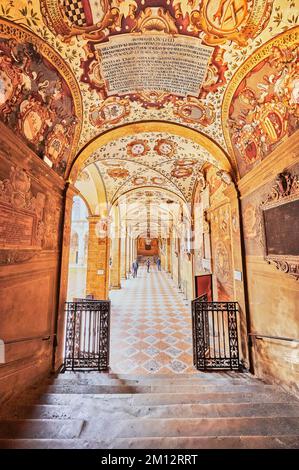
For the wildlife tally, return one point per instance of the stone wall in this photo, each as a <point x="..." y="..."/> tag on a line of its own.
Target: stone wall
<point x="31" y="212"/>
<point x="273" y="296"/>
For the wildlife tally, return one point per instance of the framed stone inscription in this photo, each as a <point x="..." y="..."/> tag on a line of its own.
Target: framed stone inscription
<point x="280" y="218"/>
<point x="174" y="64"/>
<point x="17" y="228"/>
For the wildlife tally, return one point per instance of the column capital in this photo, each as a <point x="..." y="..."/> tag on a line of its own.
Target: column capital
<point x="231" y="192"/>
<point x="94" y="218"/>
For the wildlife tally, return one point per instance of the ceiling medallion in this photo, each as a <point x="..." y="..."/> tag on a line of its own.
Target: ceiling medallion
<point x="118" y="173"/>
<point x="192" y="110"/>
<point x="111" y="111"/>
<point x="138" y="148"/>
<point x="56" y="143"/>
<point x="34" y="119"/>
<point x="165" y="147"/>
<point x="182" y="172"/>
<point x="157" y="180"/>
<point x="139" y="180"/>
<point x="184" y="162"/>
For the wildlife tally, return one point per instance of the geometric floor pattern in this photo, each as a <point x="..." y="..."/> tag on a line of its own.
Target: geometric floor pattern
<point x="151" y="330"/>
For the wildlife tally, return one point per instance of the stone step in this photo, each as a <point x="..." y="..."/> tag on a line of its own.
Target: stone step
<point x="209" y="442"/>
<point x="146" y="385"/>
<point x="203" y="442"/>
<point x="116" y="389"/>
<point x="108" y="429"/>
<point x="174" y="427"/>
<point x="183" y="376"/>
<point x="98" y="380"/>
<point x="41" y="428"/>
<point x="161" y="398"/>
<point x="124" y="410"/>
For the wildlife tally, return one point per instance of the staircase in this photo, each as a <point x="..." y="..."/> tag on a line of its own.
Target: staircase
<point x="195" y="411"/>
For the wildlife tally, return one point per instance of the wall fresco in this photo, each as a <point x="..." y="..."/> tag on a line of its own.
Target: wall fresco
<point x="264" y="110"/>
<point x="35" y="100"/>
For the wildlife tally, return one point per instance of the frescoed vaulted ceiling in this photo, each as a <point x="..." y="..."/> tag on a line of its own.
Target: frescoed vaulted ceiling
<point x="225" y="68"/>
<point x="151" y="159"/>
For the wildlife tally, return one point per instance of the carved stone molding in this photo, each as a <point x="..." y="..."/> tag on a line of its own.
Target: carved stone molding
<point x="286" y="264"/>
<point x="284" y="191"/>
<point x="286" y="185"/>
<point x="16" y="256"/>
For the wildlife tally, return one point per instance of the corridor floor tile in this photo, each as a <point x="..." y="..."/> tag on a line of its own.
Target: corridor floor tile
<point x="151" y="331"/>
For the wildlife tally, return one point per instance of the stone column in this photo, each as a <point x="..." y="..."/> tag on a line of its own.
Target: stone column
<point x="128" y="254"/>
<point x="168" y="250"/>
<point x="115" y="256"/>
<point x="123" y="252"/>
<point x="97" y="262"/>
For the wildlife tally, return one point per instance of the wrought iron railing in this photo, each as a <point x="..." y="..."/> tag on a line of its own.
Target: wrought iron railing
<point x="87" y="341"/>
<point x="215" y="334"/>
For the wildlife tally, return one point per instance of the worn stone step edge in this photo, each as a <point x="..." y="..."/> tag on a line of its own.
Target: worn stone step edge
<point x="110" y="429"/>
<point x="209" y="442"/>
<point x="164" y="398"/>
<point x="173" y="427"/>
<point x="41" y="428"/>
<point x="202" y="442"/>
<point x="206" y="410"/>
<point x="111" y="389"/>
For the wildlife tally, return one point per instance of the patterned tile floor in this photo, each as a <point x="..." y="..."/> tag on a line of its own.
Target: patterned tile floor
<point x="151" y="328"/>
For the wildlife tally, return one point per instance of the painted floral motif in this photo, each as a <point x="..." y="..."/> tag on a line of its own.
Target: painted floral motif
<point x="165" y="147"/>
<point x="138" y="148"/>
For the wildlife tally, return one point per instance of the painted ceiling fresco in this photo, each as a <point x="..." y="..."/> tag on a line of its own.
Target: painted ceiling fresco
<point x="151" y="159"/>
<point x="247" y="102"/>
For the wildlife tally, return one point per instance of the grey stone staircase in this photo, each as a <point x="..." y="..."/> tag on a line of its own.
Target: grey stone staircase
<point x="107" y="411"/>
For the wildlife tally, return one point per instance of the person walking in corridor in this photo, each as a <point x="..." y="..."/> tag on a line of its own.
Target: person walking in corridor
<point x="134" y="268"/>
<point x="159" y="264"/>
<point x="148" y="263"/>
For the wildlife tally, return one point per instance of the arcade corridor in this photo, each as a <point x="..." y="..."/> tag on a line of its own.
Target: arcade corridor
<point x="151" y="330"/>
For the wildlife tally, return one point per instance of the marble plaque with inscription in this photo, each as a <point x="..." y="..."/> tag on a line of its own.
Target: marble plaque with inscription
<point x="16" y="227"/>
<point x="132" y="63"/>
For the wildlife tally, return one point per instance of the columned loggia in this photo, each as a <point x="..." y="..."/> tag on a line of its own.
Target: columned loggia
<point x="97" y="261"/>
<point x="115" y="254"/>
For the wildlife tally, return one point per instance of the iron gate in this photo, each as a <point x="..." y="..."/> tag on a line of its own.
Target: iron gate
<point x="215" y="334"/>
<point x="87" y="335"/>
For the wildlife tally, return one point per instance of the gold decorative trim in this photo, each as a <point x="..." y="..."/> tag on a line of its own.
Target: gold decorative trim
<point x="11" y="30"/>
<point x="285" y="39"/>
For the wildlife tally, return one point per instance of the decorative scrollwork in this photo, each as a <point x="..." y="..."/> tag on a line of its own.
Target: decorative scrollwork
<point x="286" y="184"/>
<point x="284" y="191"/>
